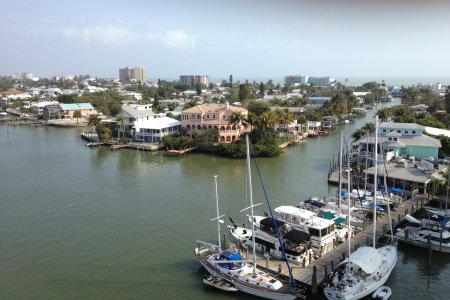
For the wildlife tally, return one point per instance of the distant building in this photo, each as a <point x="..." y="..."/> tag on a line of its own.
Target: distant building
<point x="295" y="79"/>
<point x="128" y="74"/>
<point x="69" y="109"/>
<point x="194" y="79"/>
<point x="320" y="81"/>
<point x="133" y="113"/>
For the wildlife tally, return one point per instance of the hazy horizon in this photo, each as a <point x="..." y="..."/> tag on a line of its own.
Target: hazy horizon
<point x="249" y="39"/>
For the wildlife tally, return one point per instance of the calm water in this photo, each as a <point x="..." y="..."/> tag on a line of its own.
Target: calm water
<point x="80" y="223"/>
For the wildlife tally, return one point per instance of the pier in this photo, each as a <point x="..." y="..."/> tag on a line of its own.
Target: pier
<point x="314" y="273"/>
<point x="181" y="151"/>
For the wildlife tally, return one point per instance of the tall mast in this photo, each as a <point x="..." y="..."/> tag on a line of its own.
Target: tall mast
<point x="247" y="144"/>
<point x="375" y="184"/>
<point x="340" y="175"/>
<point x="349" y="214"/>
<point x="217" y="211"/>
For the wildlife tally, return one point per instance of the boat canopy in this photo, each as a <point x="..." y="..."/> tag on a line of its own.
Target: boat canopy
<point x="295" y="211"/>
<point x="268" y="222"/>
<point x="297" y="236"/>
<point x="367" y="258"/>
<point x="231" y="254"/>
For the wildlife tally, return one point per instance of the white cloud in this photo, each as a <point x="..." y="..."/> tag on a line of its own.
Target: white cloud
<point x="104" y="34"/>
<point x="118" y="35"/>
<point x="179" y="39"/>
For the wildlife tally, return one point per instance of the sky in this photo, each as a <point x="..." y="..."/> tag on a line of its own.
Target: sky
<point x="246" y="38"/>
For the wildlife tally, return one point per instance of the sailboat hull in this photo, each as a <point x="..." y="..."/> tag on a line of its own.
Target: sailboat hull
<point x="364" y="289"/>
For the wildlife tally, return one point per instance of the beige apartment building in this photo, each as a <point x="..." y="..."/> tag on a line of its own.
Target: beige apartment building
<point x="194" y="79"/>
<point x="214" y="116"/>
<point x="132" y="74"/>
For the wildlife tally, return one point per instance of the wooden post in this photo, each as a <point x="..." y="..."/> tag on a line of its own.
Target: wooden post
<point x="384" y="230"/>
<point x="325" y="267"/>
<point x="225" y="242"/>
<point x="332" y="266"/>
<point x="343" y="256"/>
<point x="440" y="244"/>
<point x="314" y="281"/>
<point x="304" y="262"/>
<point x="368" y="241"/>
<point x="267" y="262"/>
<point x="429" y="249"/>
<point x="406" y="234"/>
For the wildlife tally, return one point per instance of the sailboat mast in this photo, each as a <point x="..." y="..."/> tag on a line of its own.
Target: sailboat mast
<point x="340" y="175"/>
<point x="375" y="184"/>
<point x="247" y="144"/>
<point x="217" y="211"/>
<point x="349" y="214"/>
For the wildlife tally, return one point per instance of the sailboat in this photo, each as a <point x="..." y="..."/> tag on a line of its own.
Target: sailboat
<point x="368" y="268"/>
<point x="229" y="265"/>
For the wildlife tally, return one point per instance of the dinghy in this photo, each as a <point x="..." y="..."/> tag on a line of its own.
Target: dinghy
<point x="382" y="293"/>
<point x="219" y="283"/>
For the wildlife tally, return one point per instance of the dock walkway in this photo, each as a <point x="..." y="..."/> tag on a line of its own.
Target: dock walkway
<point x="330" y="260"/>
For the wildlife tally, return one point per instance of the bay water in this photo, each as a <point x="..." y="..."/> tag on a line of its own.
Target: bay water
<point x="91" y="223"/>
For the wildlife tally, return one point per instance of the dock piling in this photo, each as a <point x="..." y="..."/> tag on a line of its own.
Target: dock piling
<point x="314" y="282"/>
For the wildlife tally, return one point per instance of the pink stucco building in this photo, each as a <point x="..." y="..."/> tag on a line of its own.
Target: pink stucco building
<point x="214" y="116"/>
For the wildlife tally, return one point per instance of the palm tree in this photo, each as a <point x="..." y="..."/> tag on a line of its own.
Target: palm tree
<point x="121" y="122"/>
<point x="369" y="127"/>
<point x="77" y="114"/>
<point x="358" y="133"/>
<point x="94" y="120"/>
<point x="384" y="114"/>
<point x="238" y="119"/>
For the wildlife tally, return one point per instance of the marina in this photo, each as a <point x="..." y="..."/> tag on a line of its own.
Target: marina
<point x="112" y="229"/>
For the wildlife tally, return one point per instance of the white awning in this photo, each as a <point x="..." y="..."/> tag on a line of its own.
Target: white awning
<point x="367" y="258"/>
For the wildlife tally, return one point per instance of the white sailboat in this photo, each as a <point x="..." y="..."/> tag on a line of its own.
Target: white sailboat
<point x="243" y="274"/>
<point x="366" y="269"/>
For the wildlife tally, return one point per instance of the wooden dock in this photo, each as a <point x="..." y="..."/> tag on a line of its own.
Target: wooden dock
<point x="329" y="262"/>
<point x="181" y="151"/>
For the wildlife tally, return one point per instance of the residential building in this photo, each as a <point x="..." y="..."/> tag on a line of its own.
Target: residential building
<point x="128" y="74"/>
<point x="154" y="129"/>
<point x="133" y="113"/>
<point x="420" y="108"/>
<point x="399" y="139"/>
<point x="202" y="117"/>
<point x="38" y="107"/>
<point x="194" y="79"/>
<point x="291" y="79"/>
<point x="52" y="112"/>
<point x="69" y="109"/>
<point x="317" y="100"/>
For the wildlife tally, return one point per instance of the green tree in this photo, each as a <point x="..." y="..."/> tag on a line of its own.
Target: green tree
<point x="245" y="91"/>
<point x="238" y="118"/>
<point x="258" y="108"/>
<point x="384" y="114"/>
<point x="198" y="88"/>
<point x="261" y="89"/>
<point x="94" y="121"/>
<point x="77" y="114"/>
<point x="358" y="133"/>
<point x="447" y="100"/>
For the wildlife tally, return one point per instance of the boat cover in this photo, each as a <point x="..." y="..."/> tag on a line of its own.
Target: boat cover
<point x="326" y="215"/>
<point x="411" y="219"/>
<point x="294" y="211"/>
<point x="230" y="254"/>
<point x="340" y="220"/>
<point x="367" y="258"/>
<point x="297" y="236"/>
<point x="268" y="222"/>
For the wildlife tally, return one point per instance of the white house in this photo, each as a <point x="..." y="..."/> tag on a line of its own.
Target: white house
<point x="152" y="130"/>
<point x="133" y="113"/>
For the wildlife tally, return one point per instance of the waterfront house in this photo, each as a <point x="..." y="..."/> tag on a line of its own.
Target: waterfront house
<point x="38" y="107"/>
<point x="154" y="129"/>
<point x="133" y="113"/>
<point x="420" y="108"/>
<point x="399" y="139"/>
<point x="69" y="109"/>
<point x="214" y="116"/>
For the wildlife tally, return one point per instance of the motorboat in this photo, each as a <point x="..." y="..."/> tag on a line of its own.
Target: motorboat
<point x="219" y="283"/>
<point x="382" y="293"/>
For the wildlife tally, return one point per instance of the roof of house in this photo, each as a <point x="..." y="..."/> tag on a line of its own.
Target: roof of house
<point x="11" y="92"/>
<point x="157" y="123"/>
<point x="392" y="125"/>
<point x="76" y="106"/>
<point x="213" y="108"/>
<point x="409" y="173"/>
<point x="132" y="111"/>
<point x="437" y="131"/>
<point x="407" y="140"/>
